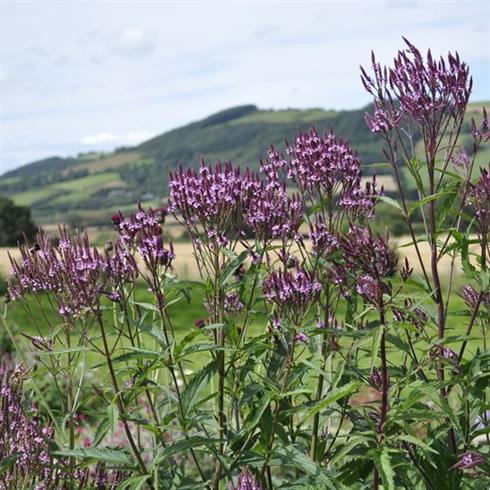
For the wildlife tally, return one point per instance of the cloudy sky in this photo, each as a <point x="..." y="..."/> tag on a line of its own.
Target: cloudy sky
<point x="77" y="76"/>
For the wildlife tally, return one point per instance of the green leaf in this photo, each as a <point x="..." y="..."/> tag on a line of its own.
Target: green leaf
<point x="391" y="202"/>
<point x="134" y="483"/>
<point x="183" y="445"/>
<point x="147" y="306"/>
<point x="101" y="431"/>
<point x="195" y="385"/>
<point x="233" y="266"/>
<point x="8" y="462"/>
<point x="154" y="332"/>
<point x="112" y="417"/>
<point x="292" y="456"/>
<point x="113" y="456"/>
<point x="253" y="420"/>
<point x="382" y="461"/>
<point x="332" y="397"/>
<point x="428" y="199"/>
<point x="415" y="441"/>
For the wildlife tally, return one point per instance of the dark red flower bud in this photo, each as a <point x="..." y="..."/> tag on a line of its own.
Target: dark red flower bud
<point x="199" y="323"/>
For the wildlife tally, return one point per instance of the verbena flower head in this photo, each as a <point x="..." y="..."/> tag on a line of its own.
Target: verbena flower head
<point x="292" y="291"/>
<point x="325" y="165"/>
<point x="232" y="303"/>
<point x="421" y="89"/>
<point x="209" y="197"/>
<point x="142" y="232"/>
<point x="271" y="213"/>
<point x="23" y="437"/>
<point x="323" y="241"/>
<point x="369" y="260"/>
<point x="74" y="272"/>
<point x="479" y="197"/>
<point x="469" y="459"/>
<point x="246" y="482"/>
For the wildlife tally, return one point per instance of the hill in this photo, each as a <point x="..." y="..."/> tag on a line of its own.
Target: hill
<point x="85" y="188"/>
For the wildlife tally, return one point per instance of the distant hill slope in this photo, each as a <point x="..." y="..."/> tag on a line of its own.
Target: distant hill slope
<point x="58" y="188"/>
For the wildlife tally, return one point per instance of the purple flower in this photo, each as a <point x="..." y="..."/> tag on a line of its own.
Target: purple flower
<point x="469" y="459"/>
<point x="142" y="231"/>
<point x="246" y="482"/>
<point x="443" y="352"/>
<point x="271" y="213"/>
<point x="199" y="323"/>
<point x="461" y="159"/>
<point x="292" y="291"/>
<point x="301" y="338"/>
<point x="368" y="260"/>
<point x="323" y="241"/>
<point x="232" y="303"/>
<point x="23" y="436"/>
<point x="479" y="197"/>
<point x="76" y="274"/>
<point x="210" y="197"/>
<point x="424" y="89"/>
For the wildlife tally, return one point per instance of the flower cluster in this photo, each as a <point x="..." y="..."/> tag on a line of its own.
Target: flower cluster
<point x="470" y="296"/>
<point x="246" y="482"/>
<point x="22" y="437"/>
<point x="293" y="291"/>
<point x="232" y="303"/>
<point x="100" y="478"/>
<point x="479" y="196"/>
<point x="74" y="272"/>
<point x="271" y="213"/>
<point x="323" y="241"/>
<point x="210" y="197"/>
<point x="329" y="167"/>
<point x="419" y="89"/>
<point x="143" y="231"/>
<point x="470" y="459"/>
<point x="369" y="259"/>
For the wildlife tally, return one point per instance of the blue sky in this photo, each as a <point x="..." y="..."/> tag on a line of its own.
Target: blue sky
<point x="94" y="75"/>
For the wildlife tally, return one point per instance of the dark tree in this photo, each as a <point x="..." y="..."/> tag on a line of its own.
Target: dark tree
<point x="15" y="222"/>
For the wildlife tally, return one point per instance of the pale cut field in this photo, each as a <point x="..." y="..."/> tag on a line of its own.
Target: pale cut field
<point x="185" y="267"/>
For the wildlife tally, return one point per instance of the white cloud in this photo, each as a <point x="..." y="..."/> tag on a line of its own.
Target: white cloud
<point x="134" y="42"/>
<point x="108" y="138"/>
<point x="99" y="138"/>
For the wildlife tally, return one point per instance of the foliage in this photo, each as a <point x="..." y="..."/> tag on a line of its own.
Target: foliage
<point x="319" y="360"/>
<point x="15" y="223"/>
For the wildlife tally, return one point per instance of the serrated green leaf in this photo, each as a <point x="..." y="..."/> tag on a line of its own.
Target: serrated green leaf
<point x="195" y="385"/>
<point x="293" y="457"/>
<point x="332" y="397"/>
<point x="113" y="456"/>
<point x="382" y="461"/>
<point x="415" y="441"/>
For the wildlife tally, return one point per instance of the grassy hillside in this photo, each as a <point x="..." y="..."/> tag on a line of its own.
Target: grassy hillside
<point x="87" y="188"/>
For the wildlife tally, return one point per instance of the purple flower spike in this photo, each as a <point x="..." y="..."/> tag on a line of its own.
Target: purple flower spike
<point x="271" y="213"/>
<point x="470" y="459"/>
<point x="72" y="271"/>
<point x="246" y="482"/>
<point x="292" y="291"/>
<point x="479" y="196"/>
<point x="329" y="167"/>
<point x="427" y="91"/>
<point x="209" y="197"/>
